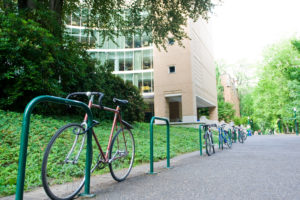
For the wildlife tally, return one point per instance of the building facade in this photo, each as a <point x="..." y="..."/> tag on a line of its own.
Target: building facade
<point x="231" y="93"/>
<point x="174" y="83"/>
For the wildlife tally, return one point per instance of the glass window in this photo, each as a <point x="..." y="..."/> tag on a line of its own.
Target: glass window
<point x="75" y="31"/>
<point x="84" y="13"/>
<point x="138" y="81"/>
<point x="147" y="59"/>
<point x="93" y="38"/>
<point x="121" y="42"/>
<point x="129" y="78"/>
<point x="121" y="61"/>
<point x="68" y="19"/>
<point x="171" y="41"/>
<point x="128" y="61"/>
<point x="102" y="57"/>
<point x="112" y="44"/>
<point x="147" y="82"/>
<point x="102" y="44"/>
<point x="75" y="19"/>
<point x="84" y="37"/>
<point x="146" y="40"/>
<point x="111" y="60"/>
<point x="137" y="41"/>
<point x="172" y="69"/>
<point x="120" y="75"/>
<point x="137" y="60"/>
<point x="128" y="42"/>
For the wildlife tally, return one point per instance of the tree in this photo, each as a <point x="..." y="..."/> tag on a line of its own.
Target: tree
<point x="278" y="89"/>
<point x="163" y="18"/>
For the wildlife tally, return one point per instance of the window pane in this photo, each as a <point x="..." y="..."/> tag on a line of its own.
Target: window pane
<point x="128" y="42"/>
<point x="68" y="19"/>
<point x="121" y="61"/>
<point x="128" y="61"/>
<point x="121" y="42"/>
<point x="147" y="59"/>
<point x="137" y="81"/>
<point x="84" y="37"/>
<point x="137" y="60"/>
<point x="75" y="19"/>
<point x="111" y="44"/>
<point x="111" y="60"/>
<point x="147" y="82"/>
<point x="102" y="57"/>
<point x="146" y="40"/>
<point x="137" y="41"/>
<point x="129" y="77"/>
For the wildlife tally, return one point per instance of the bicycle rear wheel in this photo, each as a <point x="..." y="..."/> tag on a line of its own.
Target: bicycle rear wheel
<point x="64" y="161"/>
<point x="208" y="144"/>
<point x="241" y="138"/>
<point x="221" y="141"/>
<point x="229" y="142"/>
<point x="121" y="154"/>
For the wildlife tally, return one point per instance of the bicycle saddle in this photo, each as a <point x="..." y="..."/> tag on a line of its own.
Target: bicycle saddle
<point x="119" y="101"/>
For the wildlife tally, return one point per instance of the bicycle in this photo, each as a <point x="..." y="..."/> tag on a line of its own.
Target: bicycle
<point x="209" y="142"/>
<point x="66" y="154"/>
<point x="224" y="137"/>
<point x="241" y="135"/>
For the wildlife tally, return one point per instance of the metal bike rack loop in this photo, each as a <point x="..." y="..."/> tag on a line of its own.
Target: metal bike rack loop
<point x="151" y="142"/>
<point x="200" y="137"/>
<point x="24" y="141"/>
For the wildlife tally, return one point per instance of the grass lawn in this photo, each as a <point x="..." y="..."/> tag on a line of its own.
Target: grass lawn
<point x="43" y="128"/>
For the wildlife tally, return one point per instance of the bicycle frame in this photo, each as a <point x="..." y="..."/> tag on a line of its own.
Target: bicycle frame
<point x="117" y="117"/>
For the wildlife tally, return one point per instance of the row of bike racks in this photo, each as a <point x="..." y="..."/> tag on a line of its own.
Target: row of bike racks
<point x="25" y="133"/>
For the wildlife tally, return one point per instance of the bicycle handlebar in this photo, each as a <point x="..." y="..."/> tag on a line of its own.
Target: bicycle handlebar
<point x="88" y="94"/>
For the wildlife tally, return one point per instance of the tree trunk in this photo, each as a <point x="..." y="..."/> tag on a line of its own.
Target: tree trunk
<point x="57" y="6"/>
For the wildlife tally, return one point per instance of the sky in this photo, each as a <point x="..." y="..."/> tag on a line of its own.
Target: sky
<point x="241" y="29"/>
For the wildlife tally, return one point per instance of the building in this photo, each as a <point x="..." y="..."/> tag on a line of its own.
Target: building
<point x="230" y="92"/>
<point x="174" y="84"/>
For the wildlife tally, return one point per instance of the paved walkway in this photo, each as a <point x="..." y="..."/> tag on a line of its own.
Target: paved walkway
<point x="265" y="167"/>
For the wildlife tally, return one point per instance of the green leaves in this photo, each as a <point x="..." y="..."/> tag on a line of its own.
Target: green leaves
<point x="278" y="89"/>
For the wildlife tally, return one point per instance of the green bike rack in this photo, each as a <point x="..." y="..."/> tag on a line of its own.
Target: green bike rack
<point x="24" y="141"/>
<point x="200" y="139"/>
<point x="219" y="137"/>
<point x="151" y="142"/>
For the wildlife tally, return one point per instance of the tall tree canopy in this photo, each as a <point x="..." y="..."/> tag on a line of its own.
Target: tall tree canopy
<point x="161" y="18"/>
<point x="277" y="92"/>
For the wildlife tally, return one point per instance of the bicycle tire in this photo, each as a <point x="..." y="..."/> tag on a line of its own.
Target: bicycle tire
<point x="245" y="136"/>
<point x="221" y="140"/>
<point x="212" y="141"/>
<point x="241" y="138"/>
<point x="229" y="143"/>
<point x="120" y="167"/>
<point x="55" y="159"/>
<point x="208" y="145"/>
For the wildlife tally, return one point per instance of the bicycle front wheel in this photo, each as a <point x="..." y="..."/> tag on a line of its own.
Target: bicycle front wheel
<point x="208" y="144"/>
<point x="64" y="161"/>
<point x="121" y="154"/>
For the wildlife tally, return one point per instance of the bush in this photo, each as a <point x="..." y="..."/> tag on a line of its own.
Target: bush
<point x="34" y="62"/>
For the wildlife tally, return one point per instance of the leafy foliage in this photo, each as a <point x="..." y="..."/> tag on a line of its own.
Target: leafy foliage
<point x="43" y="128"/>
<point x="34" y="62"/>
<point x="162" y="18"/>
<point x="278" y="89"/>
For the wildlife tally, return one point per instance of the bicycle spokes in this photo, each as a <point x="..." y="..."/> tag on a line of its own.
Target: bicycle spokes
<point x="75" y="160"/>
